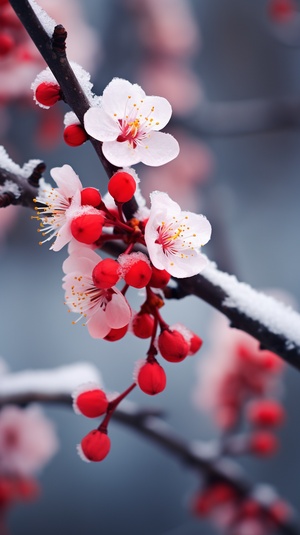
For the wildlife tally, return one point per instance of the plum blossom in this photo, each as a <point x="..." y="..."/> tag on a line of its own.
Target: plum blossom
<point x="103" y="310"/>
<point x="27" y="440"/>
<point x="128" y="122"/>
<point x="62" y="204"/>
<point x="174" y="237"/>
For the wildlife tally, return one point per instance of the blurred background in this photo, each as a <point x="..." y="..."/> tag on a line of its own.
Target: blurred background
<point x="231" y="72"/>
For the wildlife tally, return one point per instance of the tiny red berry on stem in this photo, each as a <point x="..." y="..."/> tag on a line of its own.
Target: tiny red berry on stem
<point x="106" y="273"/>
<point x="151" y="378"/>
<point x="87" y="228"/>
<point x="47" y="93"/>
<point x="138" y="274"/>
<point x="266" y="413"/>
<point x="172" y="346"/>
<point x="263" y="443"/>
<point x="159" y="278"/>
<point x="91" y="403"/>
<point x="142" y="325"/>
<point x="95" y="446"/>
<point x="90" y="196"/>
<point x="75" y="135"/>
<point x="122" y="186"/>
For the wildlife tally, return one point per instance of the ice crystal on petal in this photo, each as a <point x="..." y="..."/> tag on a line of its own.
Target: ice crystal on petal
<point x="174" y="237"/>
<point x="128" y="122"/>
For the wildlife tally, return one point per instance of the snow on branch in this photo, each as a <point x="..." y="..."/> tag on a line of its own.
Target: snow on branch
<point x="275" y="325"/>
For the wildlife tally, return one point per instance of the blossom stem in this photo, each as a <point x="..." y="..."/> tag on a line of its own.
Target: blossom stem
<point x="112" y="407"/>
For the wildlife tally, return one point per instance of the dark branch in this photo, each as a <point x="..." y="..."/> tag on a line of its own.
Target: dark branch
<point x="197" y="455"/>
<point x="28" y="187"/>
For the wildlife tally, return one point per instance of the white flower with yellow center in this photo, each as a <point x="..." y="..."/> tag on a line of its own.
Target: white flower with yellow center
<point x="128" y="122"/>
<point x="174" y="237"/>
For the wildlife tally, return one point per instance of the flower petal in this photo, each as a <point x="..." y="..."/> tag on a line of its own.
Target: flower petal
<point x="156" y="110"/>
<point x="66" y="179"/>
<point x="118" y="312"/>
<point x="100" y="125"/>
<point x="64" y="235"/>
<point x="158" y="149"/>
<point x="201" y="227"/>
<point x="120" y="95"/>
<point x="121" y="154"/>
<point x="187" y="267"/>
<point x="97" y="324"/>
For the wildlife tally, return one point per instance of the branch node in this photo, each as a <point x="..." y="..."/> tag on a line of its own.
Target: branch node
<point x="59" y="40"/>
<point x="6" y="199"/>
<point x="36" y="174"/>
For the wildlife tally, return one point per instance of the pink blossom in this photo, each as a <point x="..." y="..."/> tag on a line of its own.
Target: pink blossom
<point x="103" y="309"/>
<point x="174" y="237"/>
<point x="27" y="440"/>
<point x="128" y="122"/>
<point x="62" y="204"/>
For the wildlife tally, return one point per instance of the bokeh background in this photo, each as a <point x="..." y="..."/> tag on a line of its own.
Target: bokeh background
<point x="208" y="53"/>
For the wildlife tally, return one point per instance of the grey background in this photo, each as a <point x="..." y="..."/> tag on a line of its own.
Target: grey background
<point x="140" y="490"/>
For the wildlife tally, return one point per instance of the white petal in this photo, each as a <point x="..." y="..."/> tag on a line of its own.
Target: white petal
<point x="186" y="267"/>
<point x="200" y="226"/>
<point x="66" y="179"/>
<point x="63" y="237"/>
<point x="161" y="114"/>
<point x="161" y="201"/>
<point x="158" y="149"/>
<point x="121" y="154"/>
<point x="116" y="99"/>
<point x="100" y="125"/>
<point x="118" y="312"/>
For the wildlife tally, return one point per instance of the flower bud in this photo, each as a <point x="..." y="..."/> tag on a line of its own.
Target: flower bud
<point x="90" y="196"/>
<point x="159" y="278"/>
<point x="266" y="413"/>
<point x="106" y="273"/>
<point x="136" y="270"/>
<point x="47" y="93"/>
<point x="75" y="135"/>
<point x="151" y="378"/>
<point x="90" y="401"/>
<point x="95" y="446"/>
<point x="195" y="344"/>
<point x="263" y="443"/>
<point x="116" y="334"/>
<point x="122" y="186"/>
<point x="142" y="325"/>
<point x="87" y="228"/>
<point x="172" y="346"/>
<point x="6" y="44"/>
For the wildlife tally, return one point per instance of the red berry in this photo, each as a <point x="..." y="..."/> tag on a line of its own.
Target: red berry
<point x="142" y="325"/>
<point x="172" y="345"/>
<point x="75" y="135"/>
<point x="159" y="278"/>
<point x="48" y="93"/>
<point x="95" y="446"/>
<point x="266" y="413"/>
<point x="263" y="443"/>
<point x="122" y="186"/>
<point x="87" y="228"/>
<point x="195" y="344"/>
<point x="28" y="488"/>
<point x="90" y="196"/>
<point x="106" y="273"/>
<point x="91" y="403"/>
<point x="213" y="496"/>
<point x="137" y="274"/>
<point x="151" y="378"/>
<point x="6" y="44"/>
<point x="116" y="334"/>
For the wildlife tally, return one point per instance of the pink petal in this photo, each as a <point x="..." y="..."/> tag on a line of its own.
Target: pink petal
<point x="118" y="312"/>
<point x="100" y="125"/>
<point x="158" y="149"/>
<point x="97" y="324"/>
